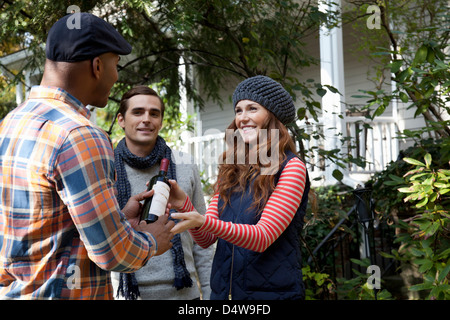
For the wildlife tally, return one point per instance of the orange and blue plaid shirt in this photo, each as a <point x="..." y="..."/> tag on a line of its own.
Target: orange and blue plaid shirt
<point x="61" y="229"/>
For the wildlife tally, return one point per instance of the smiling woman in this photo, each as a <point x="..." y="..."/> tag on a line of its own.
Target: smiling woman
<point x="255" y="217"/>
<point x="250" y="117"/>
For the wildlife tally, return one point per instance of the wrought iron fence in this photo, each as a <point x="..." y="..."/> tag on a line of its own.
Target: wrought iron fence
<point x="357" y="235"/>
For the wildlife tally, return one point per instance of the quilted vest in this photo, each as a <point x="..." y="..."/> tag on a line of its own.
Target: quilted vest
<point x="274" y="274"/>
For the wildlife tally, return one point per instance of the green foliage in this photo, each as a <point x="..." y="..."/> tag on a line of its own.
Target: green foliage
<point x="218" y="42"/>
<point x="207" y="186"/>
<point x="357" y="288"/>
<point x="326" y="206"/>
<point x="7" y="98"/>
<point x="389" y="202"/>
<point x="414" y="193"/>
<point x="317" y="285"/>
<point x="418" y="34"/>
<point x="427" y="234"/>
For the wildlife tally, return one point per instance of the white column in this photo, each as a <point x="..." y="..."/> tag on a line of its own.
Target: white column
<point x="332" y="73"/>
<point x="19" y="93"/>
<point x="186" y="106"/>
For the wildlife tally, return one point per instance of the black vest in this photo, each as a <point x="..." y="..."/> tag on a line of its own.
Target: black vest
<point x="271" y="275"/>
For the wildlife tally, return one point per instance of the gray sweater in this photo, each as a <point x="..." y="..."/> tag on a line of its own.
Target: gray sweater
<point x="156" y="277"/>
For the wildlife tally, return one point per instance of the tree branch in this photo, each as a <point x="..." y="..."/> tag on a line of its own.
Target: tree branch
<point x="234" y="39"/>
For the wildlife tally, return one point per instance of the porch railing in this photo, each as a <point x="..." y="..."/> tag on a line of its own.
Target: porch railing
<point x="372" y="140"/>
<point x="206" y="150"/>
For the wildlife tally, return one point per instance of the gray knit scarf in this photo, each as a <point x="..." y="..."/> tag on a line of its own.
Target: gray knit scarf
<point x="128" y="286"/>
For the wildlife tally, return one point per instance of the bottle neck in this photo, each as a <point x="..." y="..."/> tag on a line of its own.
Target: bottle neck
<point x="164" y="166"/>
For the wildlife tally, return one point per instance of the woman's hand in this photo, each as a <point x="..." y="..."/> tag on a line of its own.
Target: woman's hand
<point x="177" y="196"/>
<point x="189" y="220"/>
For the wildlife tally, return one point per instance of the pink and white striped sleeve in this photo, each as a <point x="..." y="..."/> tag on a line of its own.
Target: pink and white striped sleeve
<point x="275" y="218"/>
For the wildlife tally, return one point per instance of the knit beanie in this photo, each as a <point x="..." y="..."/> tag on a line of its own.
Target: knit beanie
<point x="268" y="93"/>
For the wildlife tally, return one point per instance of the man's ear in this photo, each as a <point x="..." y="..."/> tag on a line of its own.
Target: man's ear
<point x="97" y="67"/>
<point x="121" y="120"/>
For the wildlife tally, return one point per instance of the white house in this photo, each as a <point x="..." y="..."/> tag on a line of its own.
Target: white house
<point x="342" y="68"/>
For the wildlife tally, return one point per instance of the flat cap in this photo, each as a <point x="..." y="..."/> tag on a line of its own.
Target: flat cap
<point x="83" y="36"/>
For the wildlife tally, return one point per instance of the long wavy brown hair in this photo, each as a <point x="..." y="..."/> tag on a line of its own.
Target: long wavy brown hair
<point x="235" y="176"/>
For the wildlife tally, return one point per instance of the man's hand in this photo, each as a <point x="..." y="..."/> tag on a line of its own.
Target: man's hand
<point x="161" y="231"/>
<point x="133" y="208"/>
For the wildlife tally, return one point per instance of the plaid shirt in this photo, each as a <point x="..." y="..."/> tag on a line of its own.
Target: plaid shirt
<point x="61" y="229"/>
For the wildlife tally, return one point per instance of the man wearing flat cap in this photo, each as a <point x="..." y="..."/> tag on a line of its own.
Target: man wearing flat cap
<point x="61" y="229"/>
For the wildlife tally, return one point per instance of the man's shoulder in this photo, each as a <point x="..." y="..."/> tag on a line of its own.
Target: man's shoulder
<point x="53" y="112"/>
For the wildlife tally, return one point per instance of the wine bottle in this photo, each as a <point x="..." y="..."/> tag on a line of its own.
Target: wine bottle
<point x="155" y="206"/>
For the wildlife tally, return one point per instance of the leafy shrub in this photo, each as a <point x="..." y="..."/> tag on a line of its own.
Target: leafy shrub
<point x="426" y="236"/>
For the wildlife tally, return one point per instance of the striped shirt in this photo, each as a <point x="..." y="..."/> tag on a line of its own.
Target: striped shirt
<point x="276" y="216"/>
<point x="61" y="229"/>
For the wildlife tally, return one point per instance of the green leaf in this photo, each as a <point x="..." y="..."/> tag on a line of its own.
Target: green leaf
<point x="422" y="223"/>
<point x="444" y="254"/>
<point x="338" y="175"/>
<point x="414" y="171"/>
<point x="332" y="89"/>
<point x="422" y="203"/>
<point x="363" y="263"/>
<point x="441" y="185"/>
<point x="421" y="286"/>
<point x="430" y="56"/>
<point x="443" y="273"/>
<point x="403" y="96"/>
<point x="396" y="178"/>
<point x="396" y="65"/>
<point x="379" y="111"/>
<point x="414" y="177"/>
<point x="417" y="253"/>
<point x="428" y="181"/>
<point x="427" y="160"/>
<point x="433" y="228"/>
<point x="321" y="92"/>
<point x="414" y="161"/>
<point x="421" y="55"/>
<point x="445" y="172"/>
<point x="387" y="255"/>
<point x="301" y="112"/>
<point x="391" y="183"/>
<point x="433" y="197"/>
<point x="426" y="266"/>
<point x="407" y="190"/>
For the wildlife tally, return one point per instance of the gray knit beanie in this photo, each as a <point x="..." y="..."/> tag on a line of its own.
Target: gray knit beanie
<point x="268" y="93"/>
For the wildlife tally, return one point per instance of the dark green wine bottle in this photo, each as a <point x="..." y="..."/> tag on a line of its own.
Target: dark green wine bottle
<point x="155" y="206"/>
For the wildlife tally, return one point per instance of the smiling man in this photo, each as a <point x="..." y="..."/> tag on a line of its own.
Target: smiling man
<point x="145" y="113"/>
<point x="137" y="159"/>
